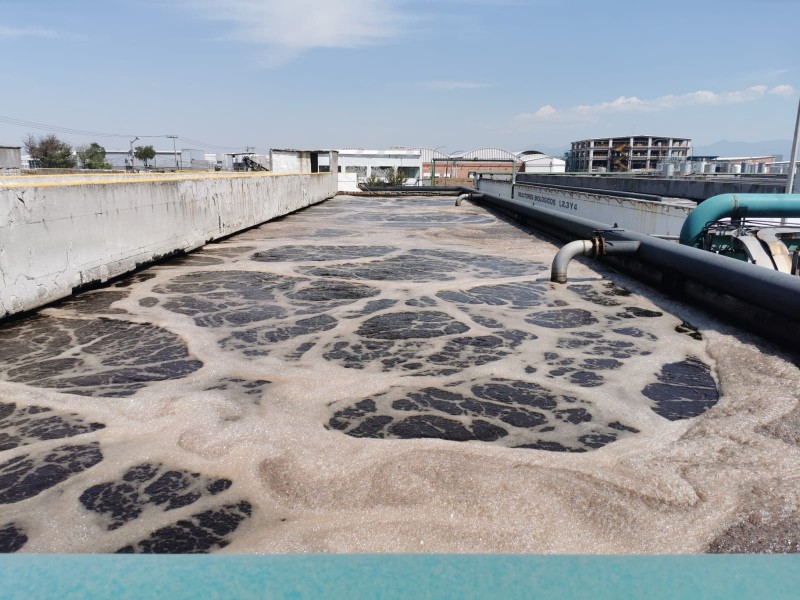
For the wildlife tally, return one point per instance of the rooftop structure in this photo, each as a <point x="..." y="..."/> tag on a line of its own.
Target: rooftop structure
<point x="356" y="165"/>
<point x="10" y="159"/>
<point x="629" y="153"/>
<point x="534" y="161"/>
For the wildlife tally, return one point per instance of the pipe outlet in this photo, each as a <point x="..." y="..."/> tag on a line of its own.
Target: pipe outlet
<point x="468" y="196"/>
<point x="558" y="271"/>
<point x="595" y="247"/>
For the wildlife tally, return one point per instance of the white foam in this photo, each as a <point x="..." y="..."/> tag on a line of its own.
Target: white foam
<point x="673" y="487"/>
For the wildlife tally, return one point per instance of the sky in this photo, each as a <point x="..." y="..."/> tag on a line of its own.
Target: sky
<point x="455" y="75"/>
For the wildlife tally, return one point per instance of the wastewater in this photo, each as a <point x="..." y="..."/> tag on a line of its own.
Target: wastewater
<point x="379" y="374"/>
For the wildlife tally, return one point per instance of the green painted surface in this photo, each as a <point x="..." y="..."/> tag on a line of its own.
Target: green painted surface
<point x="399" y="576"/>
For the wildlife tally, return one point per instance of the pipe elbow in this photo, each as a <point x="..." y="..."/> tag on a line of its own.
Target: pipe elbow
<point x="737" y="206"/>
<point x="558" y="271"/>
<point x="468" y="196"/>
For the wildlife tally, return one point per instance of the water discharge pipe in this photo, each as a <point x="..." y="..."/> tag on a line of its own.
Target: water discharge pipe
<point x="467" y="196"/>
<point x="558" y="271"/>
<point x="593" y="248"/>
<point x="737" y="206"/>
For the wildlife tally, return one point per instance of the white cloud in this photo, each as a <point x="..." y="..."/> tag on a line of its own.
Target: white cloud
<point x="544" y="112"/>
<point x="627" y="104"/>
<point x="452" y="85"/>
<point x="19" y="32"/>
<point x="782" y="90"/>
<point x="15" y="33"/>
<point x="287" y="28"/>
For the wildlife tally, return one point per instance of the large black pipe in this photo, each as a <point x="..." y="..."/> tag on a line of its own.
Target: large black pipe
<point x="422" y="189"/>
<point x="770" y="290"/>
<point x="585" y="190"/>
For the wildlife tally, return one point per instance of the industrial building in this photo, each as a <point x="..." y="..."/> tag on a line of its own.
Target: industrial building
<point x="534" y="161"/>
<point x="629" y="153"/>
<point x="782" y="167"/>
<point x="461" y="164"/>
<point x="745" y="164"/>
<point x="356" y="165"/>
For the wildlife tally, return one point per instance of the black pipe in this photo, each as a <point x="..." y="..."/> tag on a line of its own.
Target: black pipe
<point x="595" y="191"/>
<point x="412" y="188"/>
<point x="768" y="289"/>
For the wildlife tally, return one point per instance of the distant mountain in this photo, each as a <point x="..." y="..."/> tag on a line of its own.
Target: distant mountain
<point x="726" y="148"/>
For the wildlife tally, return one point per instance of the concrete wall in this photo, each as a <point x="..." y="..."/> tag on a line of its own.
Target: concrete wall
<point x="693" y="189"/>
<point x="290" y="161"/>
<point x="348" y="182"/>
<point x="87" y="176"/>
<point x="653" y="218"/>
<point x="55" y="237"/>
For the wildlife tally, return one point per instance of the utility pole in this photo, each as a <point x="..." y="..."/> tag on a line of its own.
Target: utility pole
<point x="174" y="149"/>
<point x="133" y="140"/>
<point x="793" y="157"/>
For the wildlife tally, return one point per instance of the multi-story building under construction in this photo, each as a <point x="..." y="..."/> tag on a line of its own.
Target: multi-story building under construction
<point x="631" y="153"/>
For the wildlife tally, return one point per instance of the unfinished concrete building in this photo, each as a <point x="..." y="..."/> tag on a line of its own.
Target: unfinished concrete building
<point x="629" y="153"/>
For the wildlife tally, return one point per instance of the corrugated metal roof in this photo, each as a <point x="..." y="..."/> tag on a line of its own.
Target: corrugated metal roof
<point x="428" y="154"/>
<point x="486" y="154"/>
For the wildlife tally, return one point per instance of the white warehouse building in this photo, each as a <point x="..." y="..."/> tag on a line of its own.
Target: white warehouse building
<point x="356" y="165"/>
<point x="534" y="161"/>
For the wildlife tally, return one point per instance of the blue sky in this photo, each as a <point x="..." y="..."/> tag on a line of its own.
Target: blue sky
<point x="456" y="74"/>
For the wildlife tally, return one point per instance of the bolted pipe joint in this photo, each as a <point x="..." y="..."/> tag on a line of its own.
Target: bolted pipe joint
<point x="595" y="247"/>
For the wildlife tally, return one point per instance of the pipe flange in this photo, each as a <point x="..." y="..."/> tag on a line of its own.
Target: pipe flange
<point x="598" y="247"/>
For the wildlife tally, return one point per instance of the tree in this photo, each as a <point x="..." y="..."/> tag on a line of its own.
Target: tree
<point x="144" y="153"/>
<point x="391" y="178"/>
<point x="50" y="152"/>
<point x="93" y="156"/>
<point x="395" y="178"/>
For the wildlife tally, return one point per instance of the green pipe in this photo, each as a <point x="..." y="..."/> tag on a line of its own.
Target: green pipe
<point x="737" y="206"/>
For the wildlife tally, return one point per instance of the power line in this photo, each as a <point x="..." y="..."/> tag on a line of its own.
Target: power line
<point x="60" y="129"/>
<point x="72" y="131"/>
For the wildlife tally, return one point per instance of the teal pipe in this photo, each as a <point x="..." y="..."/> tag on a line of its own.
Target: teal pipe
<point x="737" y="206"/>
